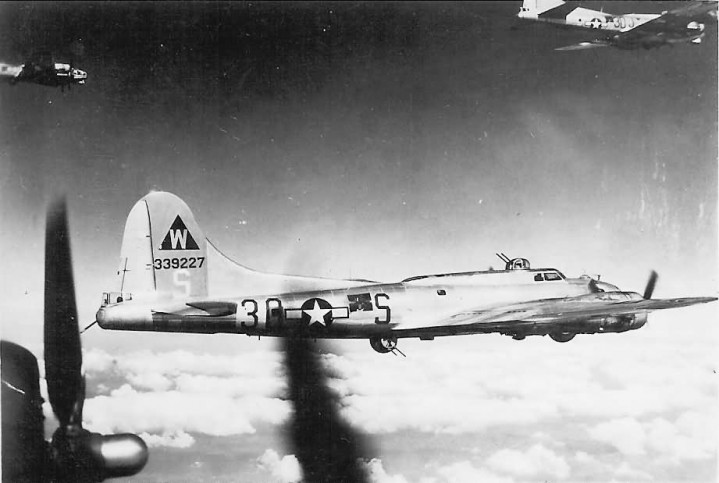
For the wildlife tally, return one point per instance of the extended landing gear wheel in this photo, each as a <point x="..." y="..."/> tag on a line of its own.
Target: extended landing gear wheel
<point x="383" y="345"/>
<point x="562" y="336"/>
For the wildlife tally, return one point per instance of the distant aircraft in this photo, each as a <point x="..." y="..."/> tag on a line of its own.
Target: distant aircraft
<point x="74" y="454"/>
<point x="42" y="69"/>
<point x="172" y="279"/>
<point x="626" y="31"/>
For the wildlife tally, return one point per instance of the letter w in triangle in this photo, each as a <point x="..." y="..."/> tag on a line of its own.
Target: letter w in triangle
<point x="178" y="237"/>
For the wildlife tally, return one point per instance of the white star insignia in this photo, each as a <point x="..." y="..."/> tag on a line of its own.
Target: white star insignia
<point x="317" y="314"/>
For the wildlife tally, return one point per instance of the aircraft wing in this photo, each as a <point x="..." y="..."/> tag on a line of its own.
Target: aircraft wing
<point x="593" y="44"/>
<point x="548" y="312"/>
<point x="8" y="71"/>
<point x="691" y="10"/>
<point x="668" y="22"/>
<point x="663" y="26"/>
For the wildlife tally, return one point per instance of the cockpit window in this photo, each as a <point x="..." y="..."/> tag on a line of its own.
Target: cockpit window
<point x="547" y="276"/>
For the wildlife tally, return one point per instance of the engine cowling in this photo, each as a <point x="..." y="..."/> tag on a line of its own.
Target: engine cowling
<point x="620" y="323"/>
<point x="562" y="336"/>
<point x="84" y="456"/>
<point x="383" y="345"/>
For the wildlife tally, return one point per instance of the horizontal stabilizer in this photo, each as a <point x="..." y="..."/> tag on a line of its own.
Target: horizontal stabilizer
<point x="215" y="309"/>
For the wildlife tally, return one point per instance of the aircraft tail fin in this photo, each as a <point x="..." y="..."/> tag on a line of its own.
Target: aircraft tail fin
<point x="164" y="251"/>
<point x="539" y="6"/>
<point x="165" y="254"/>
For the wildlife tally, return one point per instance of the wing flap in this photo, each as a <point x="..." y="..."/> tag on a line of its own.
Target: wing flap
<point x="215" y="309"/>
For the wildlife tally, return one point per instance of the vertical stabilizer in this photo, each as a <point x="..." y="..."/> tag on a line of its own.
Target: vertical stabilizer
<point x="539" y="9"/>
<point x="163" y="250"/>
<point x="539" y="6"/>
<point x="135" y="271"/>
<point x="165" y="253"/>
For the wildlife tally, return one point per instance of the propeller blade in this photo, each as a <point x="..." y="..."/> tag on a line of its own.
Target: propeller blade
<point x="326" y="446"/>
<point x="63" y="358"/>
<point x="649" y="290"/>
<point x="76" y="454"/>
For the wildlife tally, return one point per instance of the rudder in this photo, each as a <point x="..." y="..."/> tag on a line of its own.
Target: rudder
<point x="539" y="6"/>
<point x="164" y="251"/>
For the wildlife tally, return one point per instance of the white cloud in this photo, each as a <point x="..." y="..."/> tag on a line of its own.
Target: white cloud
<point x="126" y="409"/>
<point x="178" y="439"/>
<point x="534" y="462"/>
<point x="94" y="360"/>
<point x="659" y="400"/>
<point x="626" y="471"/>
<point x="465" y="472"/>
<point x="185" y="362"/>
<point x="692" y="437"/>
<point x="150" y="381"/>
<point x="236" y="386"/>
<point x="377" y="474"/>
<point x="584" y="458"/>
<point x="625" y="434"/>
<point x="285" y="470"/>
<point x="178" y="392"/>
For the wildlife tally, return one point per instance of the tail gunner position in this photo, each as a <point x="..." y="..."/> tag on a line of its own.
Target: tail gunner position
<point x="172" y="279"/>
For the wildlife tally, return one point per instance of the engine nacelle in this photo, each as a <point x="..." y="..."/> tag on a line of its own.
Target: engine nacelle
<point x="120" y="454"/>
<point x="562" y="336"/>
<point x="383" y="345"/>
<point x="85" y="456"/>
<point x="620" y="323"/>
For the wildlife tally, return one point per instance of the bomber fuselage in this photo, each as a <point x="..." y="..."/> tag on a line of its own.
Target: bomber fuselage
<point x="355" y="312"/>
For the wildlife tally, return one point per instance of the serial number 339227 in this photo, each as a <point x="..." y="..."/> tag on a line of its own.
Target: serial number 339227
<point x="170" y="263"/>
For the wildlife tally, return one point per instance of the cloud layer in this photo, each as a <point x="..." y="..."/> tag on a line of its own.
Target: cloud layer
<point x="601" y="405"/>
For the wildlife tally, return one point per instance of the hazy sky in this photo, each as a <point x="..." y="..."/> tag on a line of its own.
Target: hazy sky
<point x="380" y="141"/>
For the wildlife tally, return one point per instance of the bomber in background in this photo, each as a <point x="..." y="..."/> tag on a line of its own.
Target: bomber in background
<point x="172" y="279"/>
<point x="42" y="69"/>
<point x="625" y="31"/>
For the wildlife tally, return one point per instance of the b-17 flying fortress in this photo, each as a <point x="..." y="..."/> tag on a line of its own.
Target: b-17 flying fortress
<point x="625" y="31"/>
<point x="172" y="279"/>
<point x="42" y="69"/>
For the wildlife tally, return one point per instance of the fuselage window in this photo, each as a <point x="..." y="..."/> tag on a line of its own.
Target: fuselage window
<point x="441" y="292"/>
<point x="551" y="276"/>
<point x="538" y="277"/>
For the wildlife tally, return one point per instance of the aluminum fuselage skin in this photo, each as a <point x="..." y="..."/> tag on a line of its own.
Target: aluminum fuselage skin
<point x="586" y="19"/>
<point x="357" y="312"/>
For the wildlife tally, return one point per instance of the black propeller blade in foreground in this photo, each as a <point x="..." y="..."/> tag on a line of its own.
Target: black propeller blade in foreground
<point x="76" y="455"/>
<point x="63" y="357"/>
<point x="649" y="290"/>
<point x="327" y="448"/>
